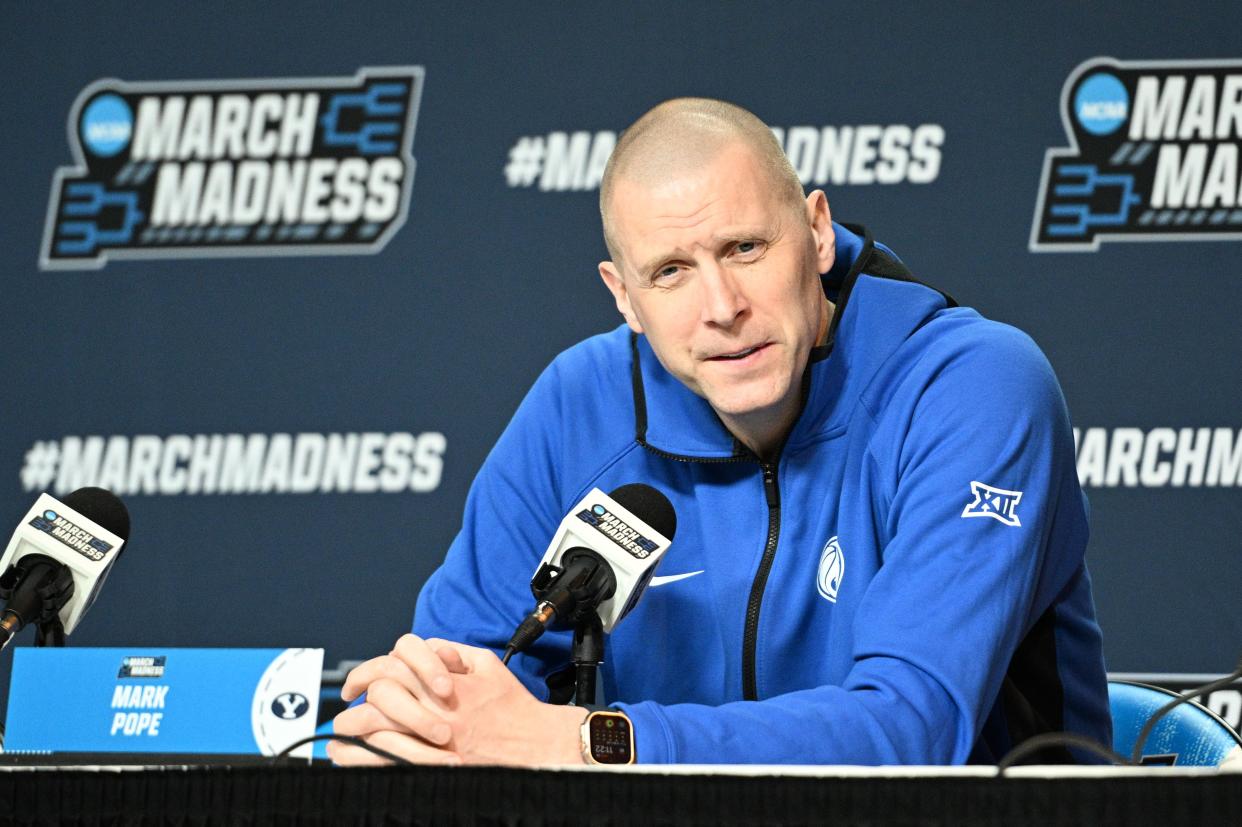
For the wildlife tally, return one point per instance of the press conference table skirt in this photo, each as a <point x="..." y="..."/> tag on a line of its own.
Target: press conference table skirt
<point x="634" y="795"/>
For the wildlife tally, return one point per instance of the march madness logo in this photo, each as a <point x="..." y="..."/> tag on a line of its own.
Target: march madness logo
<point x="1153" y="156"/>
<point x="280" y="166"/>
<point x="72" y="535"/>
<point x="617" y="530"/>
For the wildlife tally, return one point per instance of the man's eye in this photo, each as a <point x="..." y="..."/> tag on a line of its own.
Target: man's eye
<point x="747" y="247"/>
<point x="665" y="272"/>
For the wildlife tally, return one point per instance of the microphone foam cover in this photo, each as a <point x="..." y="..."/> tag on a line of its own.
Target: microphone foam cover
<point x="649" y="505"/>
<point x="102" y="506"/>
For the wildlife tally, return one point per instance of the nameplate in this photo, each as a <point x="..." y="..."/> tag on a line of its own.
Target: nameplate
<point x="166" y="701"/>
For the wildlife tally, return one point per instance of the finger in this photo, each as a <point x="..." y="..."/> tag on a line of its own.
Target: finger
<point x="470" y="658"/>
<point x="348" y="755"/>
<point x="361" y="676"/>
<point x="425" y="664"/>
<point x="345" y="754"/>
<point x="412" y="749"/>
<point x="412" y="714"/>
<point x="450" y="657"/>
<point x="367" y="673"/>
<point x="363" y="719"/>
<point x="403" y="746"/>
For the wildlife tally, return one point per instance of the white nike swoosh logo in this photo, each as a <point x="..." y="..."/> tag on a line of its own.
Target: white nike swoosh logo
<point x="673" y="578"/>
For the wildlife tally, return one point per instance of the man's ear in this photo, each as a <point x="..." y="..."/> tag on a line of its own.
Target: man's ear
<point x="820" y="218"/>
<point x="616" y="285"/>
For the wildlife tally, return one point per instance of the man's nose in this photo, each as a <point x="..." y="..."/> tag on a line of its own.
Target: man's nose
<point x="722" y="298"/>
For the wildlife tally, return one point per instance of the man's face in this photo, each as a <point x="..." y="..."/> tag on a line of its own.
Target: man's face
<point x="722" y="276"/>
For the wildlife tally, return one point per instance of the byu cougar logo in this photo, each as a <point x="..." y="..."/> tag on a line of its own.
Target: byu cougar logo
<point x="831" y="570"/>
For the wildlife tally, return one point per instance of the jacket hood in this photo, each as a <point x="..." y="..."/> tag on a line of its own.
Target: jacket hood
<point x="873" y="292"/>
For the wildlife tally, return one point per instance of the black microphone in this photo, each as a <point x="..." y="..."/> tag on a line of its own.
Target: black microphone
<point x="600" y="560"/>
<point x="57" y="561"/>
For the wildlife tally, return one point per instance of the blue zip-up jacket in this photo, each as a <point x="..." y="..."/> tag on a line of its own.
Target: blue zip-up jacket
<point x="905" y="584"/>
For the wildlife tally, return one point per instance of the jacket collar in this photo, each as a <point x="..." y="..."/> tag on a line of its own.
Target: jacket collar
<point x="871" y="304"/>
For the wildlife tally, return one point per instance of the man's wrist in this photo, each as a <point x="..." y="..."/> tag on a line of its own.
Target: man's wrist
<point x="568" y="728"/>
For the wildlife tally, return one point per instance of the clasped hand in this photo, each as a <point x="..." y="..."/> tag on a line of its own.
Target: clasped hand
<point x="439" y="702"/>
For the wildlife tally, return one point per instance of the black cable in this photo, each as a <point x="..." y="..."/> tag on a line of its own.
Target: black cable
<point x="1049" y="739"/>
<point x="1057" y="739"/>
<point x="347" y="739"/>
<point x="1186" y="696"/>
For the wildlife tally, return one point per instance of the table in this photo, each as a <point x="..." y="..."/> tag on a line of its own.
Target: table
<point x="321" y="794"/>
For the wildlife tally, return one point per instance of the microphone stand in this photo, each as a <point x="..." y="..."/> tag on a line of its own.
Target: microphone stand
<point x="587" y="655"/>
<point x="50" y="633"/>
<point x="36" y="588"/>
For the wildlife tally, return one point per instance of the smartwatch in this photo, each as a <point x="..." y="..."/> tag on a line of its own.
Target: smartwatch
<point x="607" y="737"/>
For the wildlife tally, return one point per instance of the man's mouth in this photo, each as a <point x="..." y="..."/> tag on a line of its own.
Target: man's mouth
<point x="737" y="355"/>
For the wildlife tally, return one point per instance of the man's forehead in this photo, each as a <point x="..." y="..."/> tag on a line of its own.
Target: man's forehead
<point x="670" y="164"/>
<point x="733" y="183"/>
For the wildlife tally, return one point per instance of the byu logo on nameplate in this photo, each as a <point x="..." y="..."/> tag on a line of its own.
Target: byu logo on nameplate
<point x="831" y="570"/>
<point x="996" y="503"/>
<point x="290" y="705"/>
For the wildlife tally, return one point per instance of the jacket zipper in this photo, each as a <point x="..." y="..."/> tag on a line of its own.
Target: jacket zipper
<point x="750" y="635"/>
<point x="771" y="492"/>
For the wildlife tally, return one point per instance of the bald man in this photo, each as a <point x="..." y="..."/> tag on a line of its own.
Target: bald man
<point x="879" y="551"/>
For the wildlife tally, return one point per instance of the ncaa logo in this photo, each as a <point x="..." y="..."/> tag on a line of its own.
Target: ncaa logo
<point x="289" y="706"/>
<point x="107" y="125"/>
<point x="831" y="570"/>
<point x="1102" y="104"/>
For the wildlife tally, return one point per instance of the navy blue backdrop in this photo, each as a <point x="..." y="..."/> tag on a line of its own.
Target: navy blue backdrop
<point x="930" y="124"/>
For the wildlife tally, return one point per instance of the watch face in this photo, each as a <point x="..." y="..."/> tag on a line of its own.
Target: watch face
<point x="612" y="740"/>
